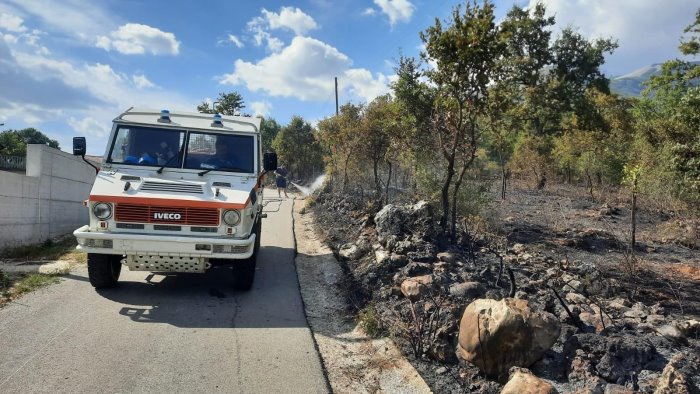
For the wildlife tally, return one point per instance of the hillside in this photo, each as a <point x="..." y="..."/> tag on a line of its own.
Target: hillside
<point x="631" y="84"/>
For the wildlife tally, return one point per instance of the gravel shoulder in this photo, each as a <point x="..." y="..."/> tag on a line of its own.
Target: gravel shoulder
<point x="354" y="362"/>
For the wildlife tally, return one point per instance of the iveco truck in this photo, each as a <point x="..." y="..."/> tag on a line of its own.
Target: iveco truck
<point x="176" y="192"/>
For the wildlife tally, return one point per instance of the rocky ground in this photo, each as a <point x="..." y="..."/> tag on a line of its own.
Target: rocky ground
<point x="542" y="281"/>
<point x="354" y="361"/>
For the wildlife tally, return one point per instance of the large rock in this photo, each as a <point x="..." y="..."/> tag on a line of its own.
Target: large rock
<point x="467" y="289"/>
<point x="447" y="257"/>
<point x="681" y="375"/>
<point x="397" y="220"/>
<point x="414" y="269"/>
<point x="381" y="256"/>
<point x="523" y="381"/>
<point x="414" y="288"/>
<point x="614" y="357"/>
<point x="497" y="335"/>
<point x="350" y="251"/>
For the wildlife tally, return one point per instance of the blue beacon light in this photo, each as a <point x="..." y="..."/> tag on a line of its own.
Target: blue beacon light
<point x="217" y="121"/>
<point x="164" y="116"/>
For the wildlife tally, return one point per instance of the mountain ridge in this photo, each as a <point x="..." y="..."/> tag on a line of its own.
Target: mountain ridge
<point x="632" y="83"/>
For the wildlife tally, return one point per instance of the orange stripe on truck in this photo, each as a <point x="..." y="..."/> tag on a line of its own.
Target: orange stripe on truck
<point x="168" y="202"/>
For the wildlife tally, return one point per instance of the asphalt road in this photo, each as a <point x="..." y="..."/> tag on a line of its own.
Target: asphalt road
<point x="167" y="334"/>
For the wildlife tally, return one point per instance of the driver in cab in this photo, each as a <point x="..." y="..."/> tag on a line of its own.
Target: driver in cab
<point x="223" y="157"/>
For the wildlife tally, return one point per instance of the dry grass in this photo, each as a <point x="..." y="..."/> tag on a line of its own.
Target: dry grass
<point x="14" y="285"/>
<point x="63" y="249"/>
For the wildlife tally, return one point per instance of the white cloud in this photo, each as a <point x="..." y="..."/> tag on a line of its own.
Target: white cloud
<point x="9" y="38"/>
<point x="274" y="44"/>
<point x="362" y="84"/>
<point x="396" y="10"/>
<point x="369" y="11"/>
<point x="89" y="126"/>
<point x="137" y="39"/>
<point x="648" y="31"/>
<point x="83" y="19"/>
<point x="142" y="82"/>
<point x="235" y="40"/>
<point x="38" y="87"/>
<point x="305" y="69"/>
<point x="261" y="35"/>
<point x="11" y="23"/>
<point x="290" y="18"/>
<point x="261" y="108"/>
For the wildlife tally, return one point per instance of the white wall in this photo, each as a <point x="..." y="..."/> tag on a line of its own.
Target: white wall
<point x="47" y="201"/>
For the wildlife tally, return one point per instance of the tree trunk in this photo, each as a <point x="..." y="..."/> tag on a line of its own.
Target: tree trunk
<point x="589" y="184"/>
<point x="503" y="176"/>
<point x="388" y="183"/>
<point x="445" y="194"/>
<point x="377" y="182"/>
<point x="633" y="230"/>
<point x="345" y="173"/>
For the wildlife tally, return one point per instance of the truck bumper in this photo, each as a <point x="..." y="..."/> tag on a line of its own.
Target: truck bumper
<point x="149" y="245"/>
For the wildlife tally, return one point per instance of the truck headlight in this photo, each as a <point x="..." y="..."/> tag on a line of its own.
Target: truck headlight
<point x="102" y="210"/>
<point x="232" y="217"/>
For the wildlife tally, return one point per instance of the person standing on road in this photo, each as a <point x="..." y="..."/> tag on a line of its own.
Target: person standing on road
<point x="281" y="180"/>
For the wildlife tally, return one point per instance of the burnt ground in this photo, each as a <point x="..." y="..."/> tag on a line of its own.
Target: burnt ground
<point x="565" y="223"/>
<point x="549" y="238"/>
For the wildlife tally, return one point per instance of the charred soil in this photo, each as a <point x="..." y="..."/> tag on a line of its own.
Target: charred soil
<point x="625" y="316"/>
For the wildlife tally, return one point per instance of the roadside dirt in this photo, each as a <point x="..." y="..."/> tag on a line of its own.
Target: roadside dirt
<point x="355" y="362"/>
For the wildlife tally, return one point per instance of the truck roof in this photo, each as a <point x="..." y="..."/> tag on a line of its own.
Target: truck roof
<point x="191" y="120"/>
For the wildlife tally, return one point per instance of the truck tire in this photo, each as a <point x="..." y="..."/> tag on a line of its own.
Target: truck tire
<point x="103" y="269"/>
<point x="244" y="270"/>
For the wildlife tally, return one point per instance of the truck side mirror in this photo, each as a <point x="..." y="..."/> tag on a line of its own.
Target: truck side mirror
<point x="79" y="146"/>
<point x="270" y="161"/>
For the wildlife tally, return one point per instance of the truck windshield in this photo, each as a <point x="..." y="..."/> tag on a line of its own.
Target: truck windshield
<point x="220" y="152"/>
<point x="146" y="146"/>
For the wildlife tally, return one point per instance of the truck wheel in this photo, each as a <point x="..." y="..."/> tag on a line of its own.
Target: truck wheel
<point x="244" y="270"/>
<point x="103" y="269"/>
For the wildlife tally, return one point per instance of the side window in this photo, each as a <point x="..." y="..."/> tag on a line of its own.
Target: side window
<point x="121" y="146"/>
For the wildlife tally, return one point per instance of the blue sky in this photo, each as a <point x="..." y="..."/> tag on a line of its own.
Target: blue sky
<point x="69" y="67"/>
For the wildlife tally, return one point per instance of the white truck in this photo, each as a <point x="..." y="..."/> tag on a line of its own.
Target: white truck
<point x="176" y="192"/>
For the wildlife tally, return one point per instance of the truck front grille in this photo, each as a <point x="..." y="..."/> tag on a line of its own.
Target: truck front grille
<point x="172" y="187"/>
<point x="170" y="215"/>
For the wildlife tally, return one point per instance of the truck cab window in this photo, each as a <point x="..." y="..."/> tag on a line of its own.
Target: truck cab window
<point x="220" y="152"/>
<point x="147" y="146"/>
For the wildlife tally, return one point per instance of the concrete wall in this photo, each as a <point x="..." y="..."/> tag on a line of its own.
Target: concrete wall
<point x="47" y="201"/>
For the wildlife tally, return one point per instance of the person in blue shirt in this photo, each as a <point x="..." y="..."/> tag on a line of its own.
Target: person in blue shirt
<point x="281" y="180"/>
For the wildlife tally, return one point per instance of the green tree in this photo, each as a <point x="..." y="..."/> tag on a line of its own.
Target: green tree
<point x="15" y="141"/>
<point x="375" y="134"/>
<point x="297" y="147"/>
<point x="668" y="120"/>
<point x="226" y="104"/>
<point x="465" y="52"/>
<point x="577" y="69"/>
<point x="416" y="142"/>
<point x="340" y="135"/>
<point x="269" y="128"/>
<point x="547" y="82"/>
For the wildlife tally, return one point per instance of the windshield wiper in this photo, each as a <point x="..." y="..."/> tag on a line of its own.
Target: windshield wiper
<point x="179" y="154"/>
<point x="205" y="171"/>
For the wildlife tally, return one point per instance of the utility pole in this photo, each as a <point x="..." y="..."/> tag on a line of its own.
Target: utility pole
<point x="336" y="96"/>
